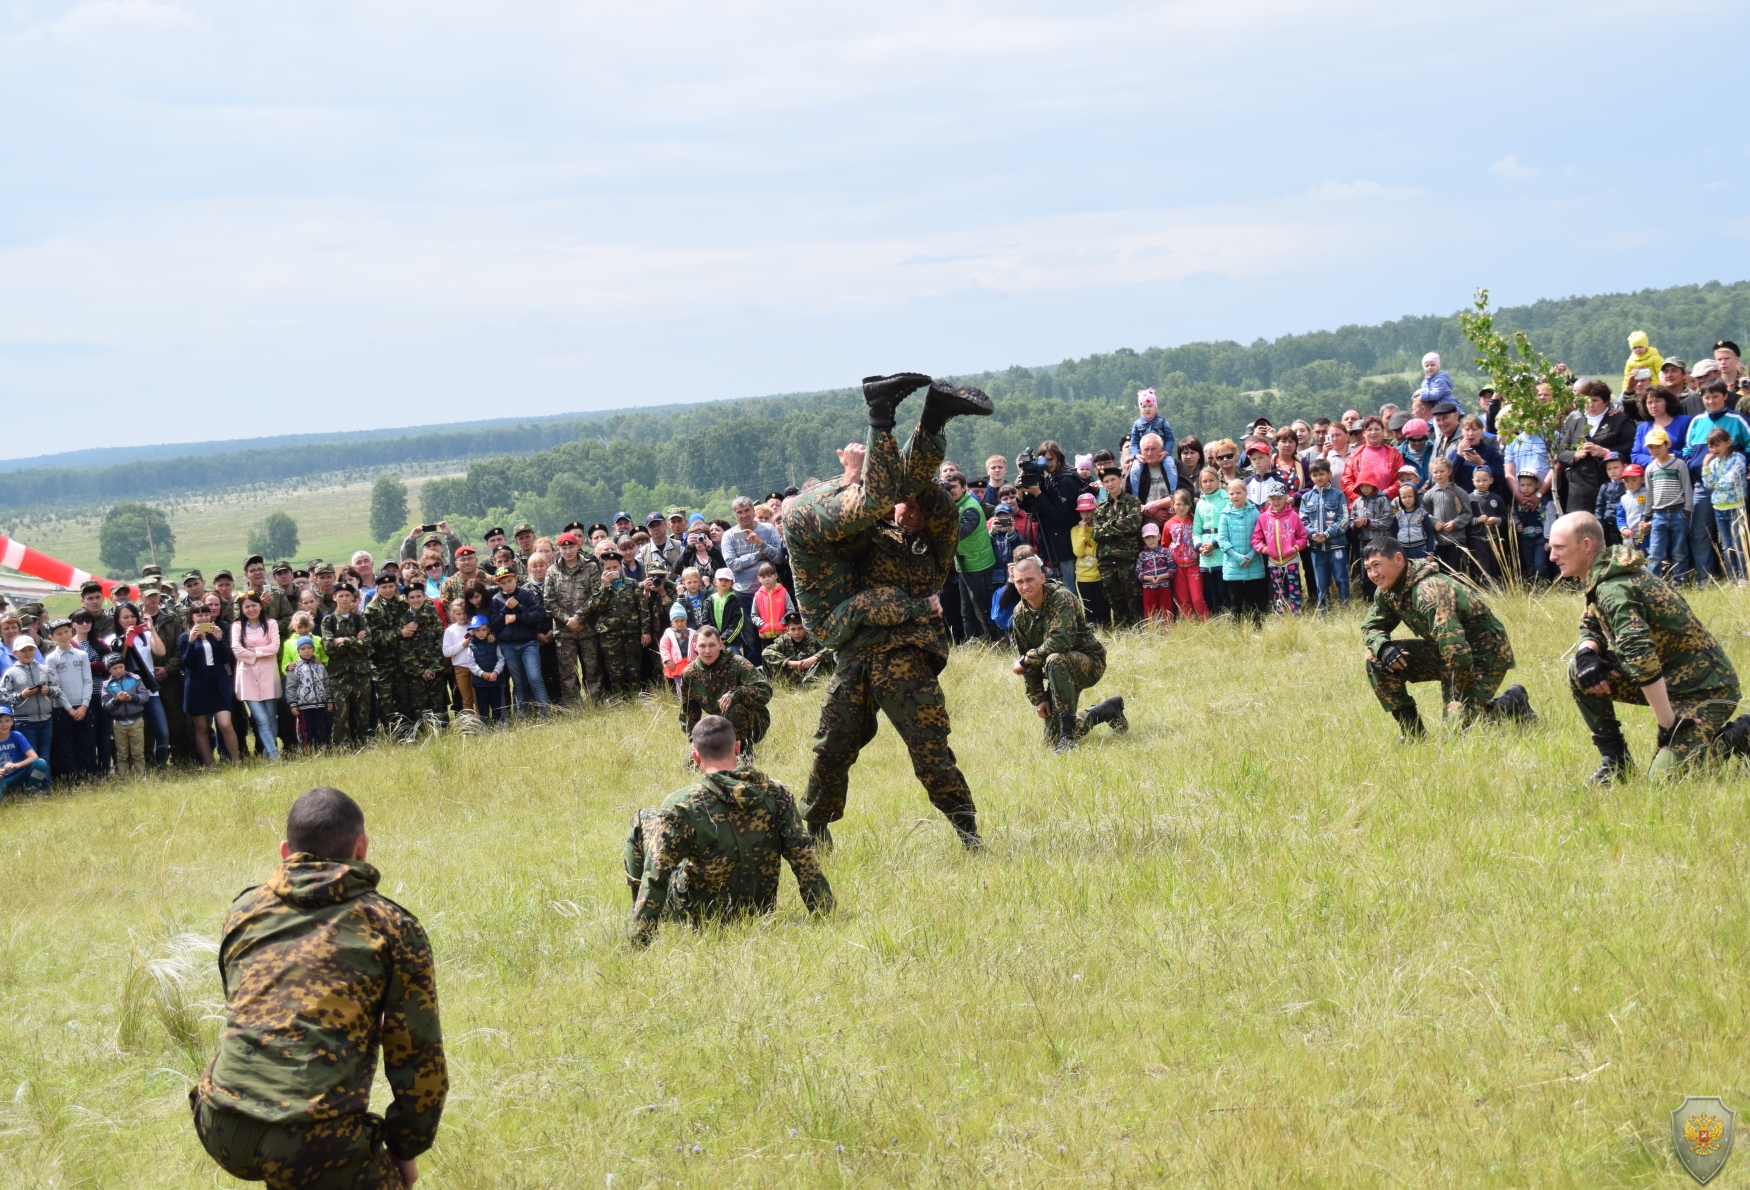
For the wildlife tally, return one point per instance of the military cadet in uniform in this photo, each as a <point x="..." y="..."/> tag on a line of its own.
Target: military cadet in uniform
<point x="1060" y="657"/>
<point x="194" y="588"/>
<point x="524" y="535"/>
<point x="1640" y="644"/>
<point x="714" y="849"/>
<point x="797" y="657"/>
<point x="467" y="571"/>
<point x="322" y="582"/>
<point x="283" y="603"/>
<point x="1117" y="542"/>
<point x="620" y="610"/>
<point x="422" y="660"/>
<point x="391" y="625"/>
<point x="571" y="582"/>
<point x="91" y="598"/>
<point x="225" y="587"/>
<point x="320" y="972"/>
<point x="1461" y="644"/>
<point x="719" y="682"/>
<point x="346" y="639"/>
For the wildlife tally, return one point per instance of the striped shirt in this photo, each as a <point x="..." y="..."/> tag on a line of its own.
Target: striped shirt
<point x="1668" y="485"/>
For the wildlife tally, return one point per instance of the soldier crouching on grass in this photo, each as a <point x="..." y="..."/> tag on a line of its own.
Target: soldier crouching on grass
<point x="319" y="970"/>
<point x="714" y="848"/>
<point x="1462" y="646"/>
<point x="1060" y="657"/>
<point x="1640" y="644"/>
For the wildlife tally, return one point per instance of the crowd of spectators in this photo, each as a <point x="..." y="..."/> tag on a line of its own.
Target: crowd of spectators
<point x="1153" y="527"/>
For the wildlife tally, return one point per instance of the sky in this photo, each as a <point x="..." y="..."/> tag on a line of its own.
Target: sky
<point x="221" y="220"/>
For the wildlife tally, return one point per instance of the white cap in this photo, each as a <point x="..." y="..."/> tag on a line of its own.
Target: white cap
<point x="23" y="641"/>
<point x="1149" y="528"/>
<point x="724" y="572"/>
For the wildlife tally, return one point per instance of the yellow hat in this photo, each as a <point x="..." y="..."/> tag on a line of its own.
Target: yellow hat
<point x="1638" y="339"/>
<point x="1656" y="436"/>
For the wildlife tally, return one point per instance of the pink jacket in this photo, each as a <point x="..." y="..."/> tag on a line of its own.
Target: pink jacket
<point x="1279" y="536"/>
<point x="258" y="671"/>
<point x="670" y="649"/>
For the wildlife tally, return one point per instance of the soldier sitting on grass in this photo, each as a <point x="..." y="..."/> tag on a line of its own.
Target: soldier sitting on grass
<point x="714" y="848"/>
<point x="320" y="972"/>
<point x="797" y="656"/>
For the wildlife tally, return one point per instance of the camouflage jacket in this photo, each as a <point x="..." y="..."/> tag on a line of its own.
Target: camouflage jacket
<point x="347" y="654"/>
<point x="717" y="850"/>
<point x="1445" y="613"/>
<point x="170" y="623"/>
<point x="384" y="619"/>
<point x="783" y="649"/>
<point x="1118" y="528"/>
<point x="1058" y="626"/>
<point x="425" y="648"/>
<point x="567" y="593"/>
<point x="280" y="609"/>
<point x="896" y="572"/>
<point x="450" y="589"/>
<point x="1648" y="630"/>
<point x="320" y="970"/>
<point x="703" y="685"/>
<point x="619" y="611"/>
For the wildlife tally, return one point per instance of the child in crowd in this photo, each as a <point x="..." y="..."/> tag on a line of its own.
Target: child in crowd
<point x="1609" y="494"/>
<point x="1641" y="354"/>
<point x="1280" y="535"/>
<point x="770" y="603"/>
<point x="693" y="596"/>
<point x="1722" y="474"/>
<point x="1154" y="570"/>
<point x="1630" y="513"/>
<point x="124" y="698"/>
<point x="1150" y="421"/>
<point x="1205" y="520"/>
<point x="1529" y="514"/>
<point x="1449" y="508"/>
<point x="1242" y="567"/>
<point x="455" y="644"/>
<point x="1417" y="451"/>
<point x="1004" y="539"/>
<point x="308" y="695"/>
<point x="1081" y="542"/>
<point x="1181" y="540"/>
<point x="1326" y="516"/>
<point x="1670" y="499"/>
<point x="1411" y="521"/>
<point x="486" y="664"/>
<point x="1262" y="473"/>
<point x="21" y="767"/>
<point x="676" y="645"/>
<point x="1370" y="515"/>
<point x="1489" y="514"/>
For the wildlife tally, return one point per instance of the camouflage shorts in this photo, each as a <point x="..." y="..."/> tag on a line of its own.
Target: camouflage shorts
<point x="343" y="1153"/>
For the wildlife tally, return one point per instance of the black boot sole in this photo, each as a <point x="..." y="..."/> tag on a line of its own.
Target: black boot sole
<point x="946" y="401"/>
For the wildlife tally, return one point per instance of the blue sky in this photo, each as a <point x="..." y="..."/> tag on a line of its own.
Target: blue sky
<point x="228" y="219"/>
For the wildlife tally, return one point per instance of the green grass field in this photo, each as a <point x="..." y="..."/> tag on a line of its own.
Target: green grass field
<point x="1256" y="942"/>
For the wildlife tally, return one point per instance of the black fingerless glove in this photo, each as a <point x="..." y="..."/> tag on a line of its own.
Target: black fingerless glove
<point x="1591" y="667"/>
<point x="1389" y="654"/>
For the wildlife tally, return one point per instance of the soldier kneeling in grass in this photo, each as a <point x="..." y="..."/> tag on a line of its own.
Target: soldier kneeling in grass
<point x="714" y="848"/>
<point x="320" y="970"/>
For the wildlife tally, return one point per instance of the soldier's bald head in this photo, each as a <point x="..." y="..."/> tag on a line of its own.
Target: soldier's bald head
<point x="1583" y="525"/>
<point x="325" y="823"/>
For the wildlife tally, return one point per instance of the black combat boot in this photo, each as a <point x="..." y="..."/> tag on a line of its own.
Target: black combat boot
<point x="1615" y="762"/>
<point x="965" y="823"/>
<point x="1110" y="710"/>
<point x="1410" y="727"/>
<point x="1514" y="704"/>
<point x="1734" y="738"/>
<point x="884" y="393"/>
<point x="946" y="401"/>
<point x="1069" y="733"/>
<point x="822" y="835"/>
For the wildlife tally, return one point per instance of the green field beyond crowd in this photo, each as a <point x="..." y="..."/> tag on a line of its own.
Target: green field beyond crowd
<point x="1256" y="942"/>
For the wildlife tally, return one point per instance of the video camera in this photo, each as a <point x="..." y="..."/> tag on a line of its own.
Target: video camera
<point x="1031" y="467"/>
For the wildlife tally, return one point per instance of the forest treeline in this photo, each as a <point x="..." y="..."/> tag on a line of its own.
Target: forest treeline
<point x="697" y="455"/>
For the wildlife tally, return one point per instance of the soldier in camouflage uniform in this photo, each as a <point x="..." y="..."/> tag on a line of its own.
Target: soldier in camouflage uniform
<point x="1640" y="644"/>
<point x="715" y="674"/>
<point x="714" y="848"/>
<point x="797" y="657"/>
<point x="391" y="625"/>
<point x="571" y="582"/>
<point x="346" y="639"/>
<point x="620" y="610"/>
<point x="320" y="972"/>
<point x="422" y="660"/>
<point x="1117" y="542"/>
<point x="1462" y="645"/>
<point x="1060" y="658"/>
<point x="467" y="571"/>
<point x="889" y="648"/>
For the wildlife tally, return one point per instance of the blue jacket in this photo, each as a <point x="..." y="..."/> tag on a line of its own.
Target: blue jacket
<point x="531" y="617"/>
<point x="1233" y="535"/>
<point x="1703" y="424"/>
<point x="1169" y="470"/>
<point x="1491" y="457"/>
<point x="1325" y="511"/>
<point x="1152" y="425"/>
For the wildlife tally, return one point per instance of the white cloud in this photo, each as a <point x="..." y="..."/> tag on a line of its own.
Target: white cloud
<point x="1509" y="167"/>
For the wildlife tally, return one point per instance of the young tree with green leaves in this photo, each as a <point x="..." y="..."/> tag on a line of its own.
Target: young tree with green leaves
<point x="388" y="507"/>
<point x="275" y="537"/>
<point x="133" y="535"/>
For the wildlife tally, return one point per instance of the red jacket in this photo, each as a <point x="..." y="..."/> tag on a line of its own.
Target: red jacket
<point x="1278" y="535"/>
<point x="770" y="604"/>
<point x="1377" y="465"/>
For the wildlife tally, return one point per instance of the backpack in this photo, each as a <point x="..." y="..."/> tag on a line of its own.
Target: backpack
<point x="1002" y="617"/>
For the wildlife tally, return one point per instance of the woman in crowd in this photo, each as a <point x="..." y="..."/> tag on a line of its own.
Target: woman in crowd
<point x="701" y="555"/>
<point x="255" y="647"/>
<point x="142" y="651"/>
<point x="1376" y="457"/>
<point x="1286" y="467"/>
<point x="1190" y="464"/>
<point x="206" y="685"/>
<point x="539" y="564"/>
<point x="1664" y="412"/>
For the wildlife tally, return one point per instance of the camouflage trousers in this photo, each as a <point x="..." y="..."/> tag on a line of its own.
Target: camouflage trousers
<point x="1700" y="714"/>
<point x="902" y="684"/>
<point x="824" y="519"/>
<point x="1123" y="592"/>
<point x="343" y="1153"/>
<point x="394" y="700"/>
<point x="1425" y="665"/>
<point x="428" y="697"/>
<point x="622" y="657"/>
<point x="574" y="649"/>
<point x="1059" y="682"/>
<point x="352" y="708"/>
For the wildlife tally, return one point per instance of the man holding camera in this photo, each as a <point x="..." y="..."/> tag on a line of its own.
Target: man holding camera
<point x="1640" y="644"/>
<point x="1461" y="644"/>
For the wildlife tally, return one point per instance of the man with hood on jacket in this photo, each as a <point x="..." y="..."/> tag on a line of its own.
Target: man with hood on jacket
<point x="1460" y="643"/>
<point x="1641" y="644"/>
<point x="714" y="848"/>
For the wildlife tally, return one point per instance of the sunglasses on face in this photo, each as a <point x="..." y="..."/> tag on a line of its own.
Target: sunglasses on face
<point x="1228" y="458"/>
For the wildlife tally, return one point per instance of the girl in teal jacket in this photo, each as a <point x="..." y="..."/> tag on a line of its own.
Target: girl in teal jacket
<point x="1205" y="520"/>
<point x="1242" y="568"/>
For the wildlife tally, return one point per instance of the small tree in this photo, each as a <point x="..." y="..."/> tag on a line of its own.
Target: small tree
<point x="1515" y="370"/>
<point x="388" y="507"/>
<point x="131" y="536"/>
<point x="275" y="537"/>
